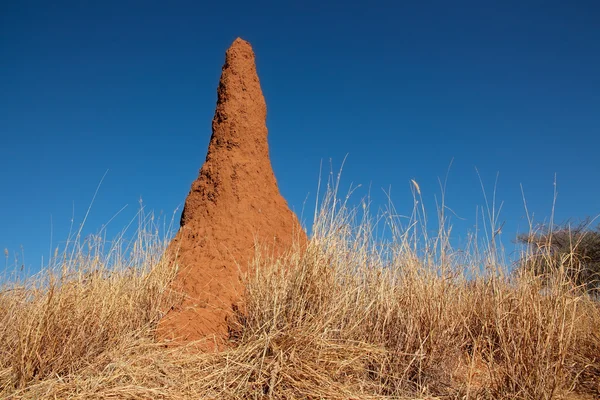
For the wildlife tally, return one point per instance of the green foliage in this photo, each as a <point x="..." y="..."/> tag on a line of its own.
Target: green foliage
<point x="570" y="250"/>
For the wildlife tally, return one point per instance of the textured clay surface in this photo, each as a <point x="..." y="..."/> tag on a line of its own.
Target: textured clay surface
<point x="233" y="204"/>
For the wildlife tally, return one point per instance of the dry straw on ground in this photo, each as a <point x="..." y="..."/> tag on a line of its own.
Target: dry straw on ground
<point x="349" y="318"/>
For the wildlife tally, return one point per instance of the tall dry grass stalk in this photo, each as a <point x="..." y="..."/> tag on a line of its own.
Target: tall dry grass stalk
<point x="410" y="317"/>
<point x="352" y="316"/>
<point x="94" y="296"/>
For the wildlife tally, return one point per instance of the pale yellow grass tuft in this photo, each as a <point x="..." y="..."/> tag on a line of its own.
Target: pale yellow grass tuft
<point x="352" y="316"/>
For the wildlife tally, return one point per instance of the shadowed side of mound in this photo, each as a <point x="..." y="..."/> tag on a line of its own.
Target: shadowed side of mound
<point x="233" y="205"/>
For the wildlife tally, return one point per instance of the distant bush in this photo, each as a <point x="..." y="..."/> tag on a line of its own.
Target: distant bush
<point x="573" y="251"/>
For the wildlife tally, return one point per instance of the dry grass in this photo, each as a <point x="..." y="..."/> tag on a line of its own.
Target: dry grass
<point x="349" y="318"/>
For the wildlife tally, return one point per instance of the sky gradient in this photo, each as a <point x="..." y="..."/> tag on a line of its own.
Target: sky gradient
<point x="508" y="89"/>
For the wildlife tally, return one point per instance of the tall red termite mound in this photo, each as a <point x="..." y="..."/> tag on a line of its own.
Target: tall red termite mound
<point x="232" y="205"/>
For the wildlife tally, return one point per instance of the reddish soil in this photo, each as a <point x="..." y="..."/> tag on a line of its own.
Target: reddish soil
<point x="232" y="205"/>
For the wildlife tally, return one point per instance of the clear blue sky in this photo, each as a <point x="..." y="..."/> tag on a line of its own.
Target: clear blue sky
<point x="508" y="87"/>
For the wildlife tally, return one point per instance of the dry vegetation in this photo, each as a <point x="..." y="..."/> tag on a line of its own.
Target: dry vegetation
<point x="351" y="317"/>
